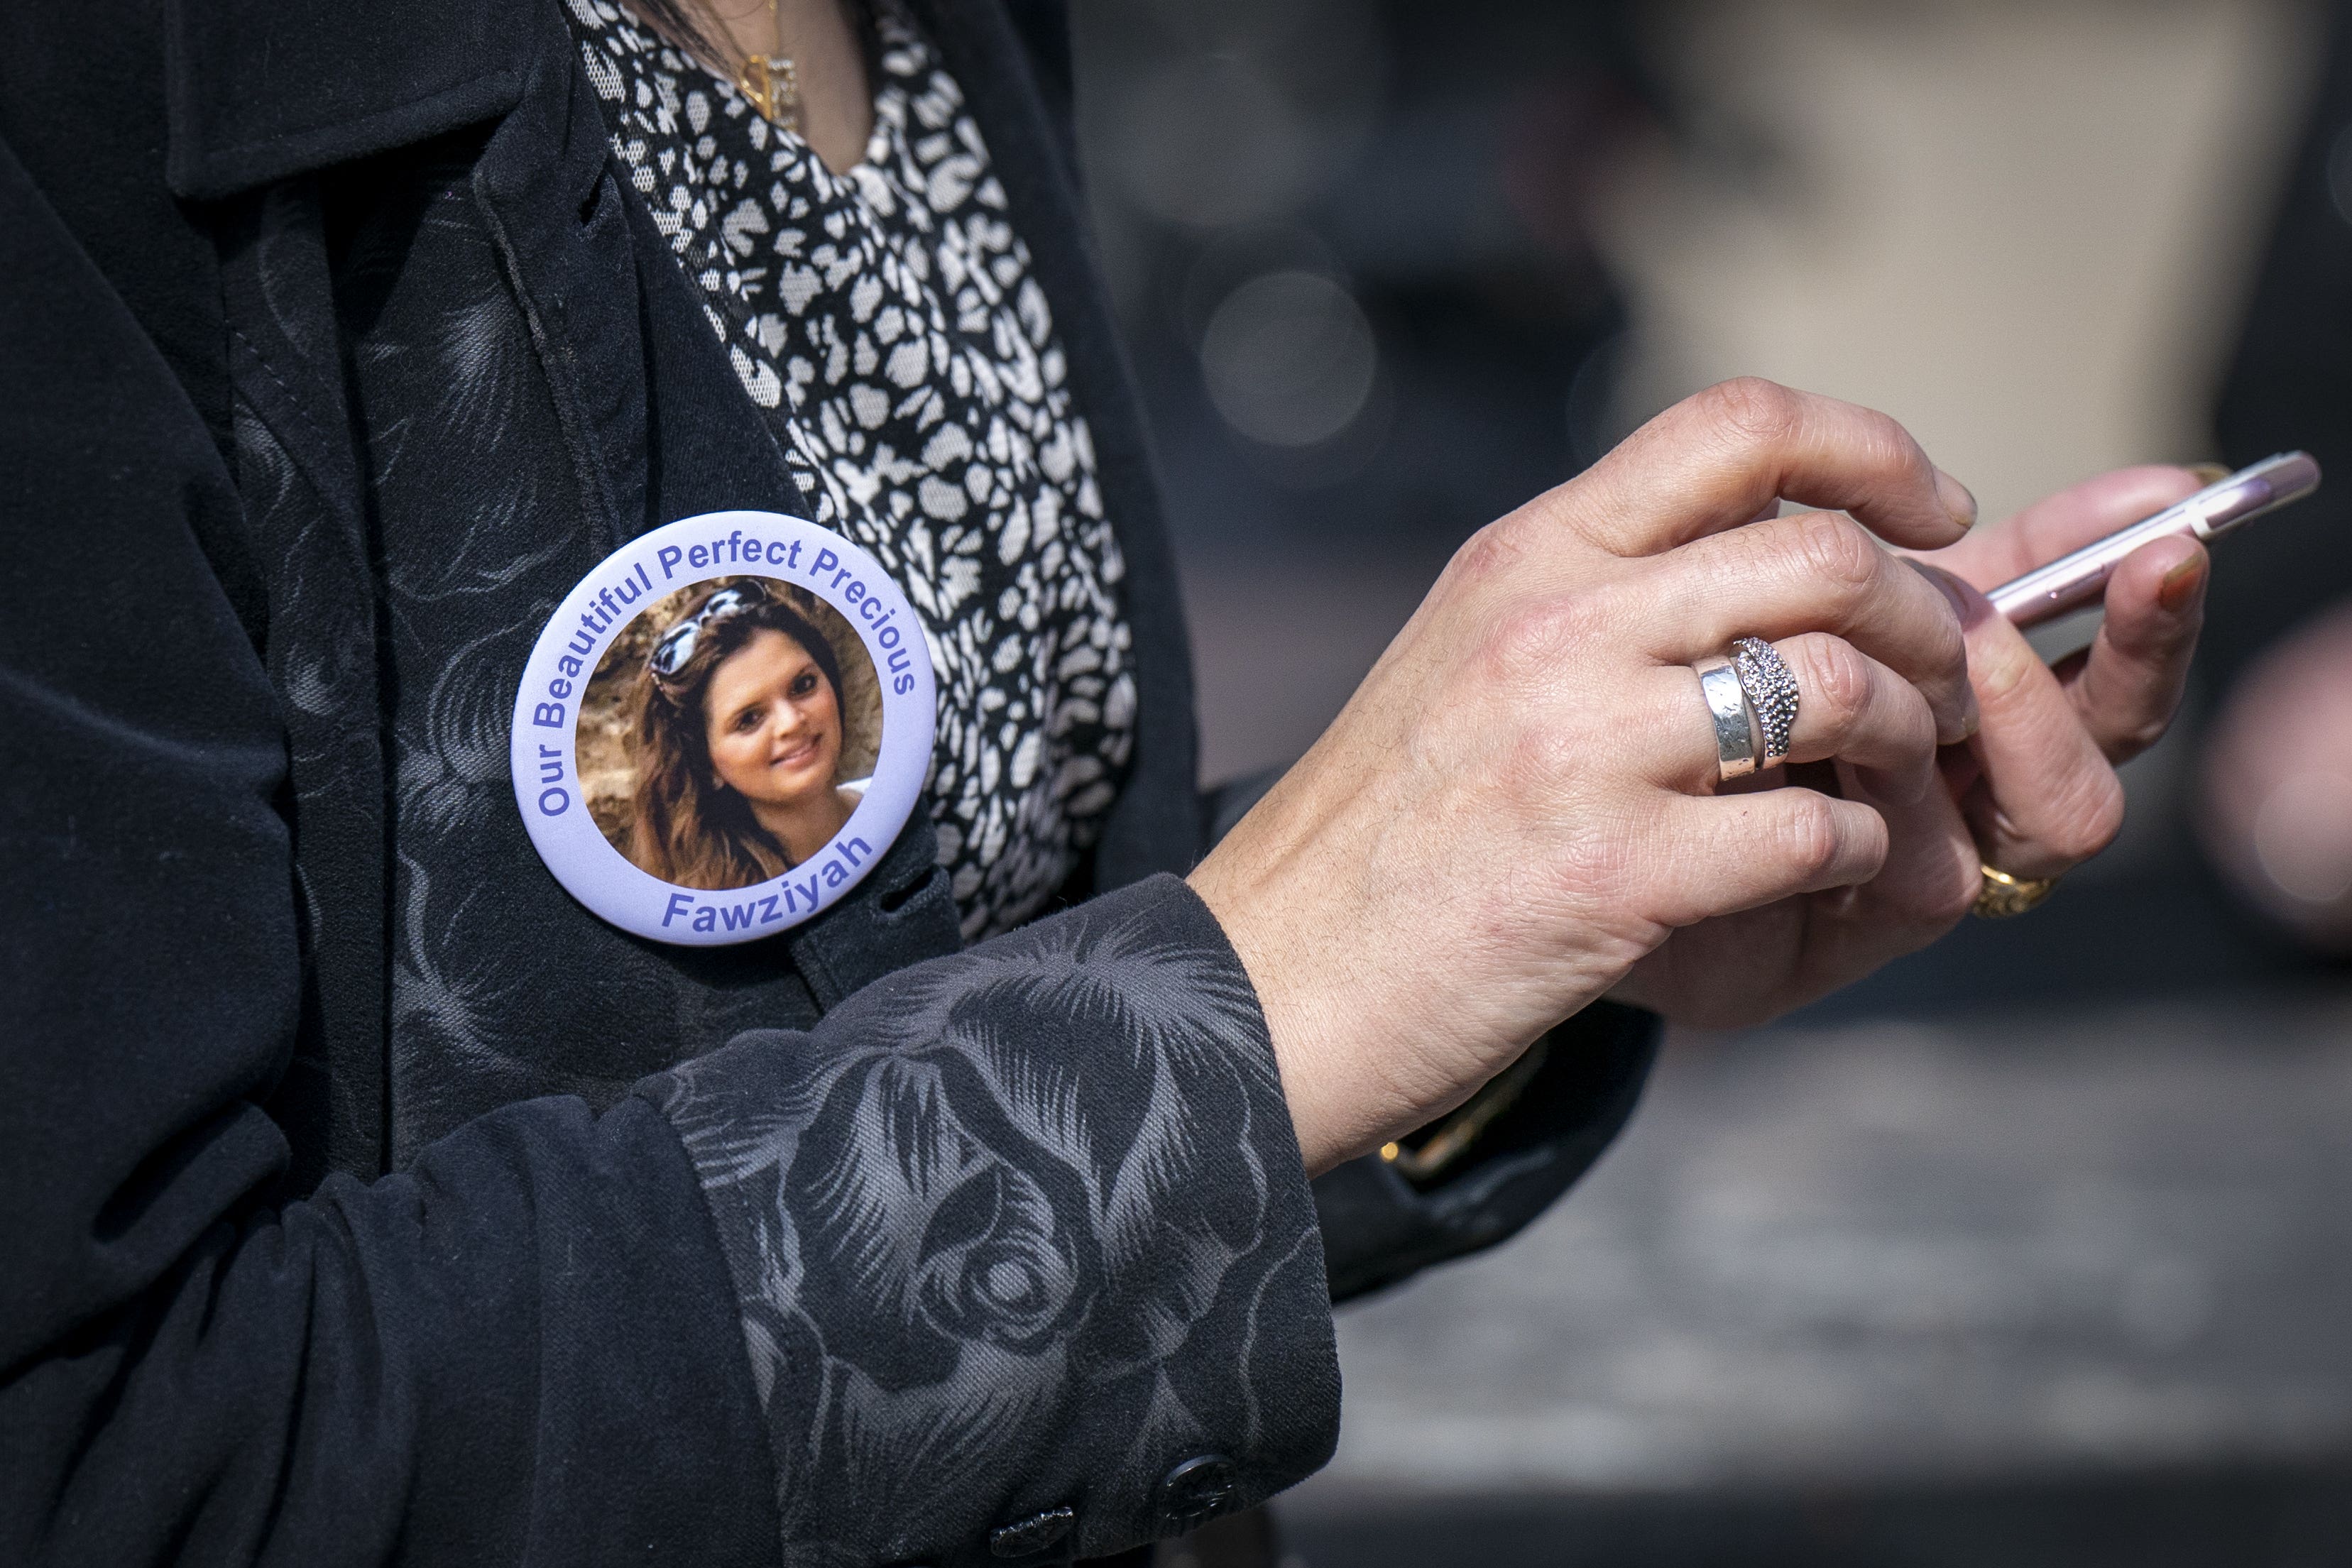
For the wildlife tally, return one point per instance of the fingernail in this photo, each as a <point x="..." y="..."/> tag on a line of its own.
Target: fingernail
<point x="2210" y="473"/>
<point x="1957" y="500"/>
<point x="2180" y="584"/>
<point x="1968" y="607"/>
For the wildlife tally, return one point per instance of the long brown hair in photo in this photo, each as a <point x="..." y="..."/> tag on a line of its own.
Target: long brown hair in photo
<point x="688" y="830"/>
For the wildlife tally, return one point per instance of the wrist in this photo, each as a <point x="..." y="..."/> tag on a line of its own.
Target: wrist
<point x="1313" y="1083"/>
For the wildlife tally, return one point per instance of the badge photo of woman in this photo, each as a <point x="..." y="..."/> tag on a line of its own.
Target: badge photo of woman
<point x="746" y="733"/>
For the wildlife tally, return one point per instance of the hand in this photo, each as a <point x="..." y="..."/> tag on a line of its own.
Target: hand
<point x="1519" y="804"/>
<point x="2277" y="807"/>
<point x="2033" y="793"/>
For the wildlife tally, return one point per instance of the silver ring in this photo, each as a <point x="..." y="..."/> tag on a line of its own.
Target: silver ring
<point x="1739" y="738"/>
<point x="1771" y="690"/>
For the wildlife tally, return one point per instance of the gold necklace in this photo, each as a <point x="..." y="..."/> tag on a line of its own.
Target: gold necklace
<point x="773" y="82"/>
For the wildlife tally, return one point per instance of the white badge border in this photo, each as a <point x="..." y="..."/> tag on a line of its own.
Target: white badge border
<point x="567" y="837"/>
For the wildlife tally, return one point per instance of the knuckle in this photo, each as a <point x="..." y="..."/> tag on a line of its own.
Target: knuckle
<point x="1751" y="410"/>
<point x="2002" y="670"/>
<point x="1541" y="759"/>
<point x="1493" y="551"/>
<point x="1535" y="642"/>
<point x="1809" y="836"/>
<point x="1834" y="550"/>
<point x="1836" y="680"/>
<point x="1888" y="445"/>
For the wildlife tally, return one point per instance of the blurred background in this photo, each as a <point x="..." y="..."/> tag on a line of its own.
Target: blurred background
<point x="2036" y="1247"/>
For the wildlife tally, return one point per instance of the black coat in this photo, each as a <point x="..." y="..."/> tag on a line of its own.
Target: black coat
<point x="369" y="1199"/>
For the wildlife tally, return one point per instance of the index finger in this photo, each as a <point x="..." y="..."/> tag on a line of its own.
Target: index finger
<point x="1715" y="461"/>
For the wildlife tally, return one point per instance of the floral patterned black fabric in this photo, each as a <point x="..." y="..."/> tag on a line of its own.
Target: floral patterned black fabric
<point x="991" y="1261"/>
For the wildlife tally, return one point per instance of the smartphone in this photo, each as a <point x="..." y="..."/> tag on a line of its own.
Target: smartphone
<point x="2074" y="581"/>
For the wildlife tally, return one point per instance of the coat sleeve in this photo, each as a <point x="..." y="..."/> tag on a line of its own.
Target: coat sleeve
<point x="1023" y="1230"/>
<point x="1025" y="1233"/>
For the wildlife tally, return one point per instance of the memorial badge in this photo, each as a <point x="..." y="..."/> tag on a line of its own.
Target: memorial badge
<point x="723" y="727"/>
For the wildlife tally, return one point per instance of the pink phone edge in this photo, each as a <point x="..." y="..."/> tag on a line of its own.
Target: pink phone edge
<point x="2076" y="581"/>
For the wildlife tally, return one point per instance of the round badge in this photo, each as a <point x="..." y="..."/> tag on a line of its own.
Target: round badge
<point x="723" y="727"/>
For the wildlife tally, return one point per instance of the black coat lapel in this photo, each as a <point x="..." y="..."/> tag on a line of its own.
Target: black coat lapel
<point x="259" y="90"/>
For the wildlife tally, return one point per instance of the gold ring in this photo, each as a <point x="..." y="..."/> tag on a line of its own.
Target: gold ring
<point x="2001" y="895"/>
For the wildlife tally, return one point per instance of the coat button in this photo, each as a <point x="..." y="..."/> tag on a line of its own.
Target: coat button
<point x="1033" y="1534"/>
<point x="1199" y="1489"/>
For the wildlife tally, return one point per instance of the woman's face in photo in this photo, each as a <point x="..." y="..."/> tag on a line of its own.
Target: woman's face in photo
<point x="772" y="721"/>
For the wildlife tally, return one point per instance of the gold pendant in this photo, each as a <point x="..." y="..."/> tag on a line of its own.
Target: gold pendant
<point x="773" y="85"/>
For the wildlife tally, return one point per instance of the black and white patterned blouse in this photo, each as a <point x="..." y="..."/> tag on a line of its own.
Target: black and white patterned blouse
<point x="886" y="319"/>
